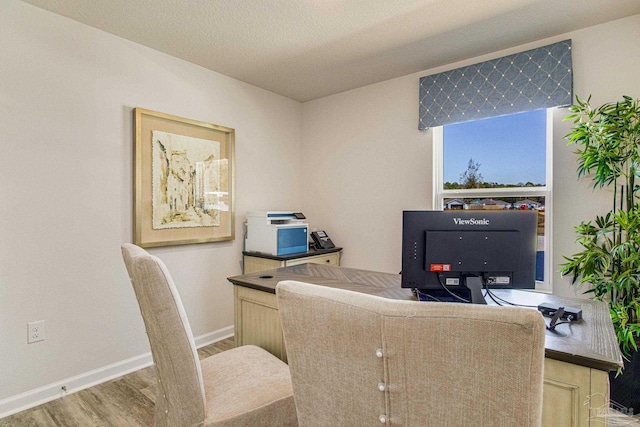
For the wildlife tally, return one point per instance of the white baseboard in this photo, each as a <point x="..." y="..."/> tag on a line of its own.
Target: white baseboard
<point x="49" y="392"/>
<point x="214" y="336"/>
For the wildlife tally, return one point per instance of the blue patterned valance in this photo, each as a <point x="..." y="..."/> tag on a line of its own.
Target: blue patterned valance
<point x="537" y="78"/>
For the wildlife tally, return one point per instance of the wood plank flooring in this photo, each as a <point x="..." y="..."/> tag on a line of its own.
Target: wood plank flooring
<point x="127" y="401"/>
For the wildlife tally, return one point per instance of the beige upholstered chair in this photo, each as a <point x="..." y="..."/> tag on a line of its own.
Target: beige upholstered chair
<point x="245" y="386"/>
<point x="362" y="360"/>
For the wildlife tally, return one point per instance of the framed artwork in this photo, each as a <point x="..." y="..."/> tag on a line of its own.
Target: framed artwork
<point x="184" y="181"/>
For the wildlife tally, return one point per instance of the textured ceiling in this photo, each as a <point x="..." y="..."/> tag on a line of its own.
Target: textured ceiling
<point x="307" y="49"/>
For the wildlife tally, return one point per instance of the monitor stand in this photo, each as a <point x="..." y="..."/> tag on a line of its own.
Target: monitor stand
<point x="470" y="292"/>
<point x="474" y="284"/>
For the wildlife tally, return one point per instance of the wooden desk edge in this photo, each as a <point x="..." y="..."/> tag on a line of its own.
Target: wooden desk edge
<point x="266" y="281"/>
<point x="310" y="253"/>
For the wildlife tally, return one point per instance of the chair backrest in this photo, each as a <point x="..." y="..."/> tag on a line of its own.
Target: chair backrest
<point x="359" y="359"/>
<point x="180" y="399"/>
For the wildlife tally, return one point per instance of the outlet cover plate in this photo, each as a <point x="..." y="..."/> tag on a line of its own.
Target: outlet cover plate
<point x="35" y="331"/>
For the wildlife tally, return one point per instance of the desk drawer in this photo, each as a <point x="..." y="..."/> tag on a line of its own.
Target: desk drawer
<point x="328" y="259"/>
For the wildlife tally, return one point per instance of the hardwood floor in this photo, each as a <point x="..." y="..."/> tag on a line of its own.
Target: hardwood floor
<point x="127" y="401"/>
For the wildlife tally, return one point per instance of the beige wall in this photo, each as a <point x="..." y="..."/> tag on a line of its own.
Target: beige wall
<point x="366" y="161"/>
<point x="352" y="162"/>
<point x="66" y="97"/>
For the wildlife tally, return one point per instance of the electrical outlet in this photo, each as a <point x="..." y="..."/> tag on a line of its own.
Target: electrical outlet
<point x="35" y="331"/>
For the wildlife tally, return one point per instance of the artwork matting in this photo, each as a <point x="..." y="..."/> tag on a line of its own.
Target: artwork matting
<point x="184" y="180"/>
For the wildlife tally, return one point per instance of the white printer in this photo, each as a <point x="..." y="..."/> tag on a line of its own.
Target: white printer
<point x="276" y="233"/>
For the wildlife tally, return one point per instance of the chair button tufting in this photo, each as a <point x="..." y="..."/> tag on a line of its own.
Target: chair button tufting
<point x="379" y="352"/>
<point x="383" y="419"/>
<point x="381" y="386"/>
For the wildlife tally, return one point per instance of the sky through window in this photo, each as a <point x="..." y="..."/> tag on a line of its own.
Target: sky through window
<point x="510" y="149"/>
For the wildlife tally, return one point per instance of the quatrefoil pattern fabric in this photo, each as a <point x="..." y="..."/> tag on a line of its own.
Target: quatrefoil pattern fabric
<point x="530" y="80"/>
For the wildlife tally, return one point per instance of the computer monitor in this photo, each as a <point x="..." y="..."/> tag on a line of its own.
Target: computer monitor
<point x="452" y="255"/>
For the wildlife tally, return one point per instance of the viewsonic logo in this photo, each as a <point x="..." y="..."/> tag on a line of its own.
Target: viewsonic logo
<point x="471" y="221"/>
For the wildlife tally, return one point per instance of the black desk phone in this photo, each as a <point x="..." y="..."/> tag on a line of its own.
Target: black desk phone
<point x="321" y="240"/>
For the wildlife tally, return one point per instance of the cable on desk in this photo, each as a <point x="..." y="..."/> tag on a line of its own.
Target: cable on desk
<point x="495" y="297"/>
<point x="557" y="315"/>
<point x="426" y="295"/>
<point x="449" y="291"/>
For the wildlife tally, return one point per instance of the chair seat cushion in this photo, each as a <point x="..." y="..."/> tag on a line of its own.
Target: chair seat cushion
<point x="248" y="386"/>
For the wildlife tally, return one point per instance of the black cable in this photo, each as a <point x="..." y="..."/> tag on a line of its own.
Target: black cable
<point x="427" y="295"/>
<point x="557" y="315"/>
<point x="449" y="291"/>
<point x="492" y="296"/>
<point x="552" y="329"/>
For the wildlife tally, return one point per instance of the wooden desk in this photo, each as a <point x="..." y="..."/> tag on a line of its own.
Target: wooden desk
<point x="578" y="357"/>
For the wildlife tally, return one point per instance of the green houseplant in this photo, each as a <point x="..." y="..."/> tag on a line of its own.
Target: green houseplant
<point x="608" y="141"/>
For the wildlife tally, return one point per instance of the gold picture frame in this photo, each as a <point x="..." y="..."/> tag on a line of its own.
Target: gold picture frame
<point x="184" y="190"/>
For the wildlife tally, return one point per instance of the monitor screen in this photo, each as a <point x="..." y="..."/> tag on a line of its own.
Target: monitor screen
<point x="446" y="252"/>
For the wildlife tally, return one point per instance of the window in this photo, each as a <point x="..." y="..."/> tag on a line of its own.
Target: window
<point x="499" y="163"/>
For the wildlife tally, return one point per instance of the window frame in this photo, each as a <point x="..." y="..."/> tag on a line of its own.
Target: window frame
<point x="440" y="194"/>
